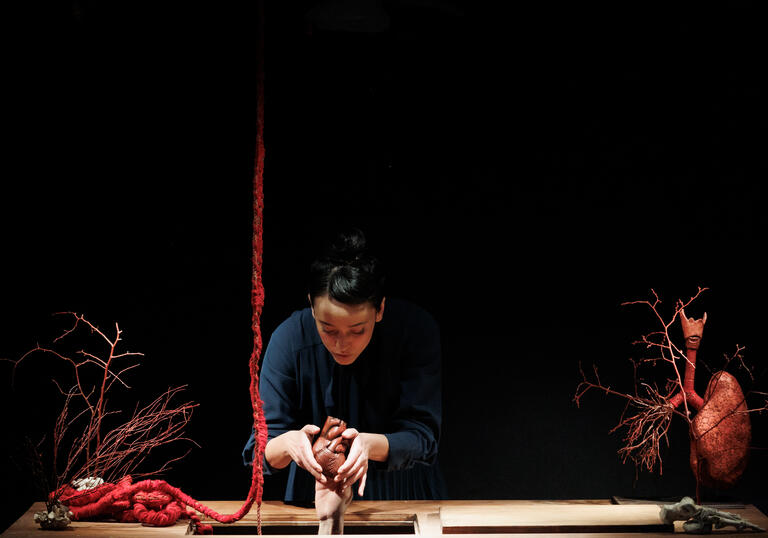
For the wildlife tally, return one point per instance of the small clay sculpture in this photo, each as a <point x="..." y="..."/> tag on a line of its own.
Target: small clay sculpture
<point x="701" y="519"/>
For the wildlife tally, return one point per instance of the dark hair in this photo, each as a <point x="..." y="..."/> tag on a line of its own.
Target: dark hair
<point x="347" y="272"/>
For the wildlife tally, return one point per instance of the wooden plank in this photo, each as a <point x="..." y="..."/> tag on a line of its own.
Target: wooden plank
<point x="424" y="513"/>
<point x="533" y="518"/>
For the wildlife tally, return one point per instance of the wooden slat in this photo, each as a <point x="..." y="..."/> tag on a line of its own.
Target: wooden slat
<point x="719" y="505"/>
<point x="551" y="518"/>
<point x="428" y="523"/>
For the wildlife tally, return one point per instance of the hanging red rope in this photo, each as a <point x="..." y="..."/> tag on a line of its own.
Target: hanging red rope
<point x="155" y="502"/>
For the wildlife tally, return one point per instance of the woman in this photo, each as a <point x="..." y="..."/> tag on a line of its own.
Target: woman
<point x="368" y="360"/>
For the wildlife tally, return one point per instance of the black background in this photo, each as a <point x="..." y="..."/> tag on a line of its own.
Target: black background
<point x="523" y="171"/>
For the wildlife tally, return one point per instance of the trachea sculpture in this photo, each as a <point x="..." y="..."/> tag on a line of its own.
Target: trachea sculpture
<point x="720" y="431"/>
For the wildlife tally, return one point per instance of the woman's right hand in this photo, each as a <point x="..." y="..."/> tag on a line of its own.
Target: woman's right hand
<point x="331" y="502"/>
<point x="296" y="445"/>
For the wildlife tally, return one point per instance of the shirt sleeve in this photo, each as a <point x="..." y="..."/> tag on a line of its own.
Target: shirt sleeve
<point x="278" y="390"/>
<point x="416" y="425"/>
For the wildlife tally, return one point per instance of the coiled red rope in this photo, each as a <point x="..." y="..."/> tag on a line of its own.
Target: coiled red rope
<point x="155" y="502"/>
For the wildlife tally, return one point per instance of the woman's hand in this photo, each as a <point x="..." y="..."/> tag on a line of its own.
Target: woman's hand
<point x="296" y="445"/>
<point x="331" y="502"/>
<point x="356" y="466"/>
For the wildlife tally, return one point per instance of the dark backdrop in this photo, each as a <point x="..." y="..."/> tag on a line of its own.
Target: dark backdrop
<point x="522" y="171"/>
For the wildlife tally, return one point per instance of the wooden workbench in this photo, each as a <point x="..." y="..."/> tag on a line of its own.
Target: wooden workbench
<point x="598" y="518"/>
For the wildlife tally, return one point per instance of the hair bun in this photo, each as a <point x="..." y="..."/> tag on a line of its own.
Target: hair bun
<point x="347" y="271"/>
<point x="348" y="246"/>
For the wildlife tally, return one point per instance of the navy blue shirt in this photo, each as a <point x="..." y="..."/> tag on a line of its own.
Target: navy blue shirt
<point x="393" y="388"/>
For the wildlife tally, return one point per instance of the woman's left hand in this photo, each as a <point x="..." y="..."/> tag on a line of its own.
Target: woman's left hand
<point x="356" y="466"/>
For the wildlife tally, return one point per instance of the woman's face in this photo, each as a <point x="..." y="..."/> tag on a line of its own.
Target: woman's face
<point x="345" y="329"/>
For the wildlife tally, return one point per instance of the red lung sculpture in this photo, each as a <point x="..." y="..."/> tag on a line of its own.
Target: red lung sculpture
<point x="720" y="431"/>
<point x="721" y="434"/>
<point x="330" y="448"/>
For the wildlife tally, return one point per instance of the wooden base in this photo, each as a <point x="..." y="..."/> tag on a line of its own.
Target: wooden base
<point x="597" y="518"/>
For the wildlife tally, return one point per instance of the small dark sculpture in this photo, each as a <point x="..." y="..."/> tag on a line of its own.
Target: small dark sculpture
<point x="56" y="516"/>
<point x="701" y="520"/>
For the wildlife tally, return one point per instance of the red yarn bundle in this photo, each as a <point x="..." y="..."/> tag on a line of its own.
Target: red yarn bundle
<point x="151" y="502"/>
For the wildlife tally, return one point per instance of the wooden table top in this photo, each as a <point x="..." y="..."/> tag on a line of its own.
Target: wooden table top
<point x="597" y="518"/>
